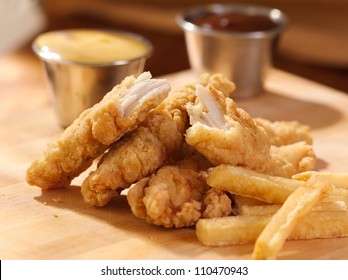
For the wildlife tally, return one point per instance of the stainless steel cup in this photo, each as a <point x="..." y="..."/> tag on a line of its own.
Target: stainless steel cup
<point x="244" y="57"/>
<point x="76" y="86"/>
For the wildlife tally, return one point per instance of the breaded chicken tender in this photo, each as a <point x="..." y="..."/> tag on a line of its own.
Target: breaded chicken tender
<point x="169" y="198"/>
<point x="224" y="133"/>
<point x="288" y="160"/>
<point x="177" y="196"/>
<point x="216" y="203"/>
<point x="132" y="165"/>
<point x="120" y="111"/>
<point x="285" y="132"/>
<point x="167" y="123"/>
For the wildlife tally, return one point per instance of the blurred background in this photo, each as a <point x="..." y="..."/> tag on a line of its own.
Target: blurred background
<point x="315" y="44"/>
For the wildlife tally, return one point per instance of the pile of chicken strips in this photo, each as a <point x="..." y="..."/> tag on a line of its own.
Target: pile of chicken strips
<point x="191" y="157"/>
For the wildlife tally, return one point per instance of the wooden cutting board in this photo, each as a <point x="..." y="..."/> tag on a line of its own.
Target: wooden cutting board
<point x="57" y="224"/>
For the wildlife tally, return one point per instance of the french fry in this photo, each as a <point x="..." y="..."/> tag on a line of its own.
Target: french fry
<point x="272" y="189"/>
<point x="340" y="180"/>
<point x="338" y="194"/>
<point x="321" y="224"/>
<point x="240" y="230"/>
<point x="298" y="204"/>
<point x="240" y="200"/>
<point x="330" y="206"/>
<point x="257" y="210"/>
<point x="245" y="182"/>
<point x="231" y="230"/>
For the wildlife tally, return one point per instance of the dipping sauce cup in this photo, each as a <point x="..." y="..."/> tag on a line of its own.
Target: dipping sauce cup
<point x="82" y="65"/>
<point x="236" y="40"/>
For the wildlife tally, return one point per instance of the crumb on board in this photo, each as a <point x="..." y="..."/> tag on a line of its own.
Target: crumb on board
<point x="56" y="200"/>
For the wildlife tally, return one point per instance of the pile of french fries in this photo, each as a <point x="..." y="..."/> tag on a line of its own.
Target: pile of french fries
<point x="270" y="210"/>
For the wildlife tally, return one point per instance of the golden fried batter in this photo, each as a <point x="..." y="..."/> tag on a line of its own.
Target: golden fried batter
<point x="169" y="198"/>
<point x="177" y="196"/>
<point x="288" y="160"/>
<point x="224" y="133"/>
<point x="167" y="123"/>
<point x="216" y="203"/>
<point x="90" y="135"/>
<point x="139" y="156"/>
<point x="285" y="132"/>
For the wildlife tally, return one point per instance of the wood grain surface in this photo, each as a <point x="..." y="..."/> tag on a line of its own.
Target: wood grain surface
<point x="57" y="224"/>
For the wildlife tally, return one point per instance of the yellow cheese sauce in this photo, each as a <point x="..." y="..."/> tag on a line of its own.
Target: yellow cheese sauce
<point x="90" y="46"/>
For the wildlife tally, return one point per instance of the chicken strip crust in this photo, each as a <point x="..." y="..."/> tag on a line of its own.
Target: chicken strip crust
<point x="120" y="111"/>
<point x="216" y="203"/>
<point x="167" y="123"/>
<point x="288" y="160"/>
<point x="224" y="133"/>
<point x="169" y="198"/>
<point x="130" y="166"/>
<point x="177" y="196"/>
<point x="285" y="132"/>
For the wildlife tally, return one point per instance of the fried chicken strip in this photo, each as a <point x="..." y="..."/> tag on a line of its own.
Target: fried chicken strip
<point x="177" y="196"/>
<point x="120" y="111"/>
<point x="224" y="133"/>
<point x="288" y="160"/>
<point x="130" y="166"/>
<point x="167" y="124"/>
<point x="216" y="203"/>
<point x="285" y="132"/>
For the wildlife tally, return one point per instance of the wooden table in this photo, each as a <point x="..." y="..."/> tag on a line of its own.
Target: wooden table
<point x="57" y="224"/>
